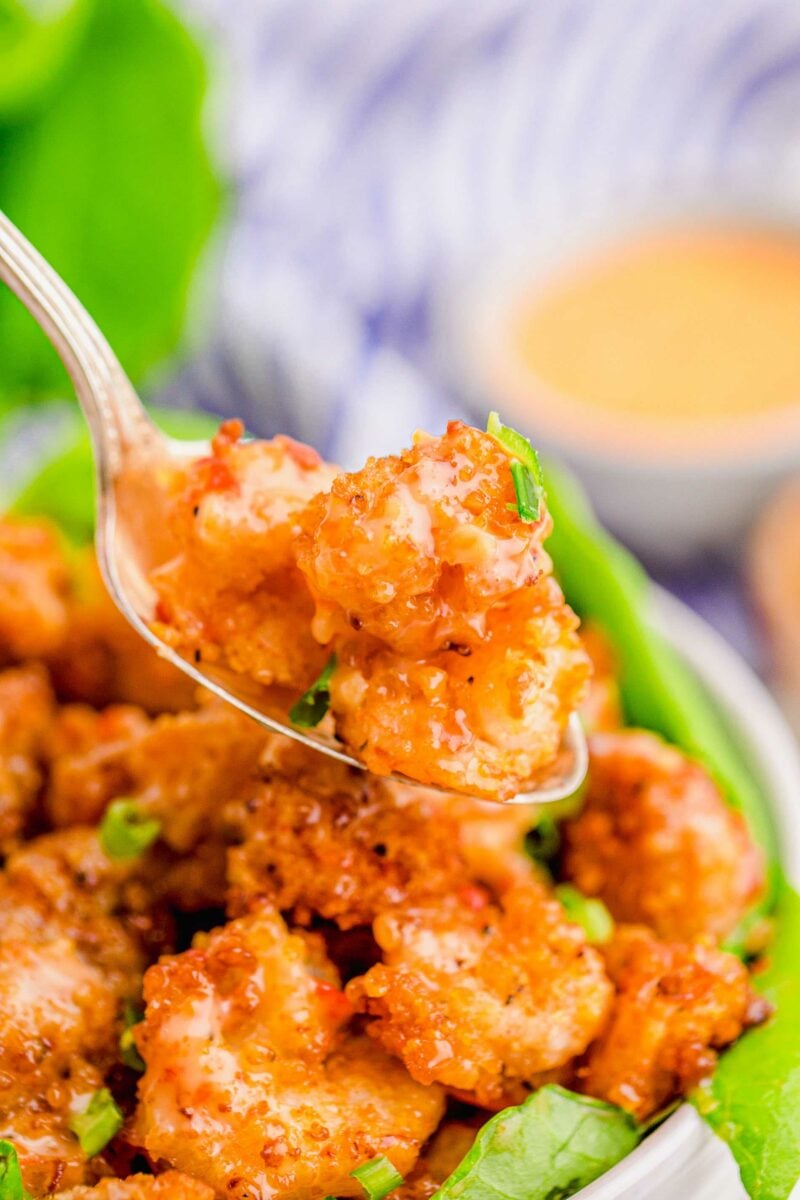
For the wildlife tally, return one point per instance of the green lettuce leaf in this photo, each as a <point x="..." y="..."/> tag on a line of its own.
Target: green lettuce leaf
<point x="111" y="181"/>
<point x="36" y="43"/>
<point x="547" y="1149"/>
<point x="753" y="1100"/>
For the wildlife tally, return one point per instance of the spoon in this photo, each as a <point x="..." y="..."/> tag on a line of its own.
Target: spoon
<point x="130" y="453"/>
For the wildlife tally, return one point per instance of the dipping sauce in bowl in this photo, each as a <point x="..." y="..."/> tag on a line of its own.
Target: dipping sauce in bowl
<point x="680" y="338"/>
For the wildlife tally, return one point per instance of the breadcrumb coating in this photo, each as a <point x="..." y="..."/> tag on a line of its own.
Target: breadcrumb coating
<point x="251" y="1083"/>
<point x="27" y="715"/>
<point x="676" y="1005"/>
<point x="34" y="589"/>
<point x="484" y="997"/>
<point x="657" y="843"/>
<point x="233" y="594"/>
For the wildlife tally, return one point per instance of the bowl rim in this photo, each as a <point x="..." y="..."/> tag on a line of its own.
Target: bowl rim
<point x="754" y="717"/>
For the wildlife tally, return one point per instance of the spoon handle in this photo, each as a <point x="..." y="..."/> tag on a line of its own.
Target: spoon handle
<point x="112" y="409"/>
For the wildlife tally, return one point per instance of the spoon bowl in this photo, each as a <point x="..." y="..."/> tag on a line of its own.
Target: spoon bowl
<point x="133" y="460"/>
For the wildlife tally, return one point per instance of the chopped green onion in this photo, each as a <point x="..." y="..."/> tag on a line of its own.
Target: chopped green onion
<point x="98" y="1123"/>
<point x="313" y="704"/>
<point x="11" y="1185"/>
<point x="528" y="495"/>
<point x="128" y="1050"/>
<point x="592" y="915"/>
<point x="378" y="1177"/>
<point x="526" y="471"/>
<point x="125" y="833"/>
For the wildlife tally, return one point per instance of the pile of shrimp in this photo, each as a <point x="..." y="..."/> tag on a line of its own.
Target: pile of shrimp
<point x="309" y="966"/>
<point x="454" y="658"/>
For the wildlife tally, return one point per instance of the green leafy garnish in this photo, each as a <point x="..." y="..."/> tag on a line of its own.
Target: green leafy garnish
<point x="378" y="1177"/>
<point x="313" y="704"/>
<point x="526" y="470"/>
<point x="591" y="914"/>
<point x="124" y="832"/>
<point x="98" y="1123"/>
<point x="11" y="1185"/>
<point x="128" y="1050"/>
<point x="547" y="1149"/>
<point x="753" y="1100"/>
<point x="117" y="198"/>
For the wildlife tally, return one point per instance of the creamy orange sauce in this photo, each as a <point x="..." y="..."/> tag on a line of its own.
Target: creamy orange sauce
<point x="678" y="327"/>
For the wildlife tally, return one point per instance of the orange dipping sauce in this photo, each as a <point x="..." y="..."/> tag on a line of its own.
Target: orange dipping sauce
<point x="683" y="330"/>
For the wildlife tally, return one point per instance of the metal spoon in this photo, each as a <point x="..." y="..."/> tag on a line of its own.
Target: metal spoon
<point x="129" y="451"/>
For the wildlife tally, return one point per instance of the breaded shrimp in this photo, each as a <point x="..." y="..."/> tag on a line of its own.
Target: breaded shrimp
<point x="68" y="964"/>
<point x="172" y="1185"/>
<point x="27" y="714"/>
<point x="253" y="1086"/>
<point x="34" y="589"/>
<point x="415" y="548"/>
<point x="104" y="661"/>
<point x="657" y="843"/>
<point x="458" y="661"/>
<point x="233" y="593"/>
<point x="320" y="838"/>
<point x="179" y="769"/>
<point x="483" y="718"/>
<point x="676" y="1005"/>
<point x="484" y="997"/>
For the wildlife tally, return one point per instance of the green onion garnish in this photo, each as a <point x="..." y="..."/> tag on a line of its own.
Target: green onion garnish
<point x="378" y="1177"/>
<point x="128" y="1050"/>
<point x="313" y="704"/>
<point x="526" y="470"/>
<point x="96" y="1125"/>
<point x="591" y="914"/>
<point x="125" y="833"/>
<point x="11" y="1185"/>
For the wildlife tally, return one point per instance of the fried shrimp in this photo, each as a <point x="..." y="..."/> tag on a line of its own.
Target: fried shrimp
<point x="676" y="1006"/>
<point x="27" y="715"/>
<point x="484" y="997"/>
<point x="323" y="839"/>
<point x="252" y="1083"/>
<point x="657" y="843"/>
<point x="458" y="660"/>
<point x="233" y="592"/>
<point x="67" y="965"/>
<point x="34" y="589"/>
<point x="172" y="1185"/>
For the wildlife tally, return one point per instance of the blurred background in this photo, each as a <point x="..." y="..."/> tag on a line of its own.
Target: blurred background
<point x="345" y="220"/>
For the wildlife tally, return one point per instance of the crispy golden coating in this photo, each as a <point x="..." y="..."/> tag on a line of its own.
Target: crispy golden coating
<point x="415" y="548"/>
<point x="67" y="965"/>
<point x="458" y="660"/>
<point x="27" y="713"/>
<point x="172" y="1185"/>
<point x="34" y="589"/>
<point x="104" y="661"/>
<point x="484" y="721"/>
<point x="657" y="843"/>
<point x="322" y="839"/>
<point x="181" y="769"/>
<point x="234" y="594"/>
<point x="252" y="1086"/>
<point x="676" y="1006"/>
<point x="484" y="997"/>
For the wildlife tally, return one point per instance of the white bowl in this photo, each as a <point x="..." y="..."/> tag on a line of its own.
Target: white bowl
<point x="683" y="1157"/>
